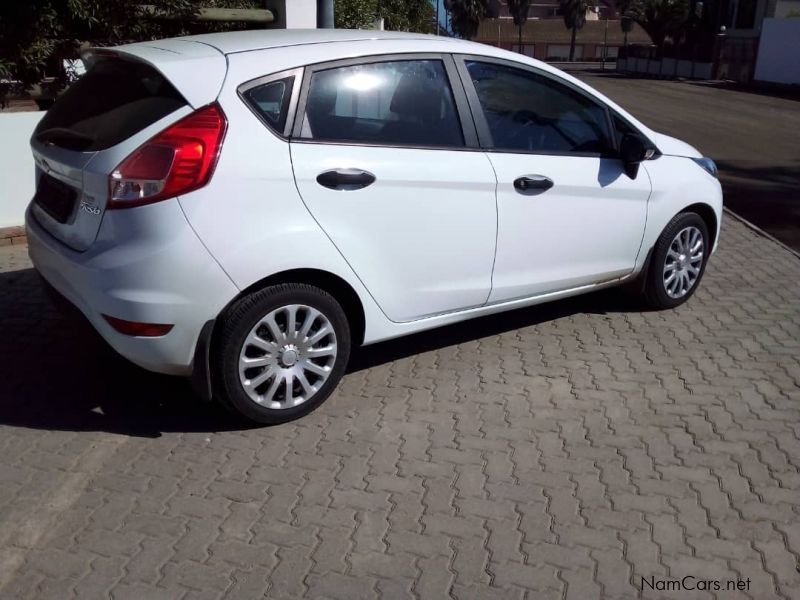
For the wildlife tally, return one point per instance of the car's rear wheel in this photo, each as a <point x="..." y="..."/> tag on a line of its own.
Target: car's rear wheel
<point x="678" y="261"/>
<point x="280" y="352"/>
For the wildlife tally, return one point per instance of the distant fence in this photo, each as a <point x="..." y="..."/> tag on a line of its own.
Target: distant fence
<point x="700" y="50"/>
<point x="690" y="61"/>
<point x="720" y="57"/>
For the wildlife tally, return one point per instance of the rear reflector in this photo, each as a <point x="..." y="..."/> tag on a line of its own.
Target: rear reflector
<point x="176" y="161"/>
<point x="138" y="329"/>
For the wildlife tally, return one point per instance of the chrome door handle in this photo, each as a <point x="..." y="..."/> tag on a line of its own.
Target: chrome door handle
<point x="345" y="179"/>
<point x="533" y="183"/>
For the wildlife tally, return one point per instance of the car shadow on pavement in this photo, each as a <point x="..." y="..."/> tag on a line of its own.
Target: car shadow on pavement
<point x="612" y="300"/>
<point x="57" y="373"/>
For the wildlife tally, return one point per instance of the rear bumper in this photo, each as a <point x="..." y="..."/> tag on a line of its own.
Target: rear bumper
<point x="147" y="265"/>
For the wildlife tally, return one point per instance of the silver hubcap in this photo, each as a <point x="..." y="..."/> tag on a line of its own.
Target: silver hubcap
<point x="287" y="356"/>
<point x="683" y="263"/>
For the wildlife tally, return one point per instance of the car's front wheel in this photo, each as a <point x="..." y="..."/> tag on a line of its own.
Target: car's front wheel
<point x="678" y="261"/>
<point x="280" y="352"/>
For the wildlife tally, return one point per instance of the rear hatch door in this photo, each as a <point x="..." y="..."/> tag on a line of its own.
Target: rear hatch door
<point x="121" y="102"/>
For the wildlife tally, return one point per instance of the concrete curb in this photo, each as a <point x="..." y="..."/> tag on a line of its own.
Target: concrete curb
<point x="760" y="231"/>
<point x="12" y="236"/>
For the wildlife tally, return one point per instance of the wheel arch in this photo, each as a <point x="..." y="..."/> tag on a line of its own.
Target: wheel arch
<point x="337" y="287"/>
<point x="706" y="212"/>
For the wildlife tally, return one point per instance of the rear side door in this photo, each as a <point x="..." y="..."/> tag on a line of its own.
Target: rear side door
<point x="386" y="159"/>
<point x="568" y="215"/>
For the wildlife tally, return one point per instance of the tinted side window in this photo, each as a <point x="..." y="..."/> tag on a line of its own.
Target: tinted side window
<point x="271" y="101"/>
<point x="622" y="126"/>
<point x="407" y="103"/>
<point x="532" y="113"/>
<point x="115" y="99"/>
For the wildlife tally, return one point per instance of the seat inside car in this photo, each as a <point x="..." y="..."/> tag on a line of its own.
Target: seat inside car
<point x="424" y="115"/>
<point x="418" y="114"/>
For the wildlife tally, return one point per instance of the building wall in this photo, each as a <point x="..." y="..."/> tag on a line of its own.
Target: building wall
<point x="542" y="9"/>
<point x="560" y="51"/>
<point x="294" y="14"/>
<point x="549" y="37"/>
<point x="16" y="165"/>
<point x="778" y="50"/>
<point x="549" y="9"/>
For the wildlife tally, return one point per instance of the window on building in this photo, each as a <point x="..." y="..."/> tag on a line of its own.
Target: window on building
<point x="561" y="51"/>
<point x="611" y="52"/>
<point x="527" y="49"/>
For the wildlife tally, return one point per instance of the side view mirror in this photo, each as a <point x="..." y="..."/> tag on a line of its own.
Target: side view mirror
<point x="632" y="151"/>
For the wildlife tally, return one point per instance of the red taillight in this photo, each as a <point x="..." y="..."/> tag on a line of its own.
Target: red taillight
<point x="176" y="161"/>
<point x="138" y="329"/>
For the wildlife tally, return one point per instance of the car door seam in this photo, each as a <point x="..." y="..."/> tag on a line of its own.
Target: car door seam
<point x="646" y="219"/>
<point x="496" y="226"/>
<point x="203" y="243"/>
<point x="330" y="239"/>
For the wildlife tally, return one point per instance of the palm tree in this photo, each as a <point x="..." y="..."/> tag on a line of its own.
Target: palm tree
<point x="625" y="21"/>
<point x="466" y="15"/>
<point x="660" y="18"/>
<point x="519" y="10"/>
<point x="574" y="13"/>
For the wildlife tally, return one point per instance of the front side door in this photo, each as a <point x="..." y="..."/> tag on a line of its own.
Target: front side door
<point x="390" y="169"/>
<point x="568" y="216"/>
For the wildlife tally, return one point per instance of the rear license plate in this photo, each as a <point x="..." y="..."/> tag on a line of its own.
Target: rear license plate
<point x="56" y="198"/>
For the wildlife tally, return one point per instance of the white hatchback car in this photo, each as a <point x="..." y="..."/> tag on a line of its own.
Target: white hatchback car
<point x="243" y="208"/>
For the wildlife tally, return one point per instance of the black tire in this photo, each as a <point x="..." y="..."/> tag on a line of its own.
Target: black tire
<point x="237" y="323"/>
<point x="655" y="290"/>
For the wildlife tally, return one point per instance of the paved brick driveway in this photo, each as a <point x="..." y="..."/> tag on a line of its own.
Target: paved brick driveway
<point x="563" y="451"/>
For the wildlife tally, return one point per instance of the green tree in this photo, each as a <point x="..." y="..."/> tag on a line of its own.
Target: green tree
<point x="466" y="16"/>
<point x="660" y="18"/>
<point x="36" y="35"/>
<point x="397" y="15"/>
<point x="355" y="14"/>
<point x="408" y="15"/>
<point x="574" y="13"/>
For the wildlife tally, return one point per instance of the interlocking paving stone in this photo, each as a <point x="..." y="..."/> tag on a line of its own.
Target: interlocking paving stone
<point x="565" y="450"/>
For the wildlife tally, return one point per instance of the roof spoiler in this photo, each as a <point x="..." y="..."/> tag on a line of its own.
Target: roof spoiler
<point x="196" y="70"/>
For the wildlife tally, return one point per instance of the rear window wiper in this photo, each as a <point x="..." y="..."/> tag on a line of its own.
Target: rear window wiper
<point x="61" y="136"/>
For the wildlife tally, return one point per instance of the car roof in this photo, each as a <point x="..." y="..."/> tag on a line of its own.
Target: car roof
<point x="261" y="39"/>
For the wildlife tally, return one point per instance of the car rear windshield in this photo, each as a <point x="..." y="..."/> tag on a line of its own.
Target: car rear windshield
<point x="115" y="99"/>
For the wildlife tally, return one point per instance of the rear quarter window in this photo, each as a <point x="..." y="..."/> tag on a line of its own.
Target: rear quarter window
<point x="114" y="100"/>
<point x="270" y="102"/>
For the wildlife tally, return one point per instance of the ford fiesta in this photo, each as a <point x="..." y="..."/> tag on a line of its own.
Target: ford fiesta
<point x="244" y="208"/>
